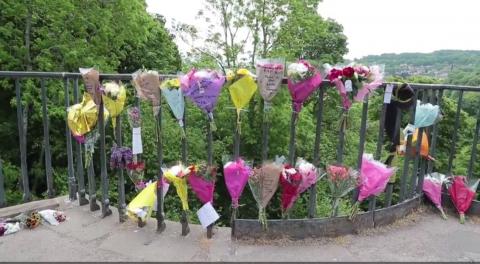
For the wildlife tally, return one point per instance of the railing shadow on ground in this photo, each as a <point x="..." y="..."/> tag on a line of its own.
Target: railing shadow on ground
<point x="410" y="182"/>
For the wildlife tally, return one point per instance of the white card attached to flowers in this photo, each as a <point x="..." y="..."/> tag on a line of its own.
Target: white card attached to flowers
<point x="137" y="147"/>
<point x="207" y="215"/>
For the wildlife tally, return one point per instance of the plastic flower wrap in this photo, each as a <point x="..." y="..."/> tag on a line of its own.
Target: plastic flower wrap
<point x="357" y="79"/>
<point x="432" y="187"/>
<point x="310" y="174"/>
<point x="263" y="183"/>
<point x="135" y="171"/>
<point x="236" y="175"/>
<point x="424" y="145"/>
<point x="141" y="207"/>
<point x="242" y="89"/>
<point x="178" y="176"/>
<point x="147" y="84"/>
<point x="203" y="88"/>
<point x="173" y="94"/>
<point x="202" y="181"/>
<point x="91" y="79"/>
<point x="82" y="117"/>
<point x="425" y="116"/>
<point x="269" y="79"/>
<point x="374" y="176"/>
<point x="462" y="194"/>
<point x="303" y="80"/>
<point x="341" y="181"/>
<point x="290" y="181"/>
<point x="114" y="99"/>
<point x="135" y="120"/>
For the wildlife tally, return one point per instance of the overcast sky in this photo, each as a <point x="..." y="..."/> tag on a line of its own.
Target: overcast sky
<point x="380" y="26"/>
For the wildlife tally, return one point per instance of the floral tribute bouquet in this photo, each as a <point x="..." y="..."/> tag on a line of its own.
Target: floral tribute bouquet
<point x="201" y="179"/>
<point x="174" y="96"/>
<point x="432" y="187"/>
<point x="147" y="84"/>
<point x="203" y="88"/>
<point x="462" y="194"/>
<point x="310" y="174"/>
<point x="263" y="183"/>
<point x="91" y="79"/>
<point x="290" y="181"/>
<point x="357" y="79"/>
<point x="114" y="96"/>
<point x="269" y="78"/>
<point x="341" y="180"/>
<point x="303" y="80"/>
<point x="242" y="89"/>
<point x="178" y="176"/>
<point x="236" y="175"/>
<point x="374" y="176"/>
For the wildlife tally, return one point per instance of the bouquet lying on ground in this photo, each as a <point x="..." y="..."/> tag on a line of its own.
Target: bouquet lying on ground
<point x="432" y="187"/>
<point x="263" y="183"/>
<point x="462" y="194"/>
<point x="357" y="79"/>
<point x="303" y="80"/>
<point x="374" y="176"/>
<point x="341" y="180"/>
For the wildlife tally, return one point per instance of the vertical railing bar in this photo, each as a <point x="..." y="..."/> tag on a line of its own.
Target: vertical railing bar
<point x="236" y="143"/>
<point x="160" y="206"/>
<point x="341" y="139"/>
<point x="312" y="203"/>
<point x="293" y="131"/>
<point x="209" y="163"/>
<point x="122" y="206"/>
<point x="78" y="156"/>
<point x="416" y="175"/>
<point x="106" y="211"/>
<point x="361" y="143"/>
<point x="184" y="218"/>
<point x="23" y="144"/>
<point x="423" y="161"/>
<point x="433" y="143"/>
<point x="3" y="201"/>
<point x="473" y="156"/>
<point x="265" y="132"/>
<point x="398" y="121"/>
<point x="408" y="150"/>
<point x="454" y="136"/>
<point x="92" y="189"/>
<point x="378" y="152"/>
<point x="71" y="172"/>
<point x="46" y="141"/>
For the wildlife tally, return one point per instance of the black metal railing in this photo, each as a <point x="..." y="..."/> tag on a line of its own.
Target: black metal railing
<point x="411" y="180"/>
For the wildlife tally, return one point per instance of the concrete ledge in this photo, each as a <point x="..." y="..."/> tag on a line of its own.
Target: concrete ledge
<point x="12" y="211"/>
<point x="323" y="227"/>
<point x="389" y="215"/>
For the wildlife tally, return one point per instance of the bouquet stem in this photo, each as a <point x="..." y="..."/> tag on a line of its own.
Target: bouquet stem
<point x="462" y="218"/>
<point x="354" y="211"/>
<point x="444" y="216"/>
<point x="335" y="204"/>
<point x="262" y="217"/>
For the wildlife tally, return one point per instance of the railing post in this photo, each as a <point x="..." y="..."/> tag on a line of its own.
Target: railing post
<point x="209" y="163"/>
<point x="473" y="156"/>
<point x="454" y="136"/>
<point x="378" y="152"/>
<point x="158" y="128"/>
<point x="408" y="150"/>
<point x="184" y="218"/>
<point x="122" y="206"/>
<point x="22" y="140"/>
<point x="433" y="143"/>
<point x="3" y="202"/>
<point x="341" y="139"/>
<point x="46" y="141"/>
<point x="71" y="174"/>
<point x="361" y="143"/>
<point x="92" y="189"/>
<point x="265" y="132"/>
<point x="106" y="211"/>
<point x="312" y="203"/>
<point x="78" y="157"/>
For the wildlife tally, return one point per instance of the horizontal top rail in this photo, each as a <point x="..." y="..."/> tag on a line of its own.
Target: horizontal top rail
<point x="128" y="76"/>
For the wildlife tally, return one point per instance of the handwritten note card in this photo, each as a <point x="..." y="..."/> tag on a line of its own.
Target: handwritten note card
<point x="137" y="147"/>
<point x="207" y="215"/>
